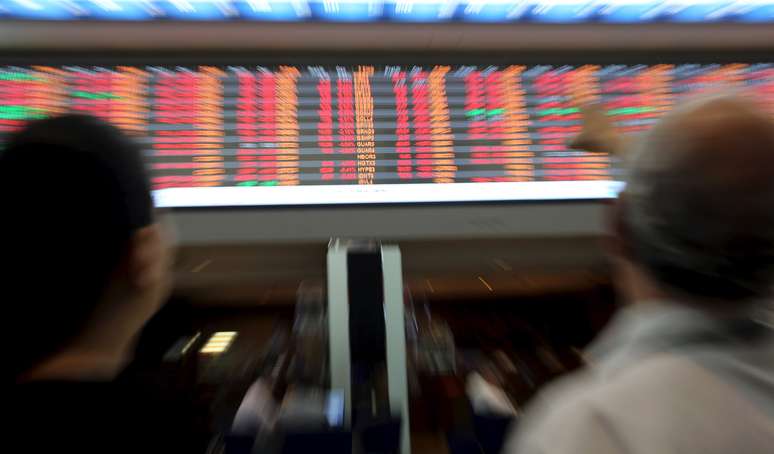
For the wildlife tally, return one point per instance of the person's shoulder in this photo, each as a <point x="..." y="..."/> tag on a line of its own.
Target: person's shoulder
<point x="558" y="414"/>
<point x="644" y="384"/>
<point x="601" y="411"/>
<point x="658" y="377"/>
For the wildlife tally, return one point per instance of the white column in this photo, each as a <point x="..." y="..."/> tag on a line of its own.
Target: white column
<point x="395" y="331"/>
<point x="338" y="324"/>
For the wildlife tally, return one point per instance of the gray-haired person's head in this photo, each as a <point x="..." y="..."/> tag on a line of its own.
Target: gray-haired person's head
<point x="698" y="210"/>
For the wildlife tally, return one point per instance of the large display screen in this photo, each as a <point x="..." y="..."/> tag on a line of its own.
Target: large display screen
<point x="293" y="135"/>
<point x="540" y="11"/>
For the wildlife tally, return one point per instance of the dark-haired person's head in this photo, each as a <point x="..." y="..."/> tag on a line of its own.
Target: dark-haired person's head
<point x="696" y="220"/>
<point x="84" y="264"/>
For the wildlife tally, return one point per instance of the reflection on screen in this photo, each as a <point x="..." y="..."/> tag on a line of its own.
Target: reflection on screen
<point x="287" y="135"/>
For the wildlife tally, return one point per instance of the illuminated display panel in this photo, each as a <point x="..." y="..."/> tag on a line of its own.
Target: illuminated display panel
<point x="537" y="11"/>
<point x="306" y="135"/>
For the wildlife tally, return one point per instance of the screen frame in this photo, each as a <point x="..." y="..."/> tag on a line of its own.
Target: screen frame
<point x="326" y="37"/>
<point x="358" y="57"/>
<point x="384" y="18"/>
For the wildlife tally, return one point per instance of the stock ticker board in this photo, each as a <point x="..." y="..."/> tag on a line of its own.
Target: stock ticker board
<point x="292" y="135"/>
<point x="539" y="11"/>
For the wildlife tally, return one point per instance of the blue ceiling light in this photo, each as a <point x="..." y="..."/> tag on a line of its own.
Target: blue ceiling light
<point x="265" y="10"/>
<point x="494" y="11"/>
<point x="755" y="11"/>
<point x="630" y="11"/>
<point x="41" y="10"/>
<point x="347" y="10"/>
<point x="699" y="11"/>
<point x="420" y="10"/>
<point x="563" y="11"/>
<point x="130" y="10"/>
<point x="198" y="9"/>
<point x="424" y="11"/>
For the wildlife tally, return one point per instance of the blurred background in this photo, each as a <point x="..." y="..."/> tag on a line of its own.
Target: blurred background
<point x="522" y="308"/>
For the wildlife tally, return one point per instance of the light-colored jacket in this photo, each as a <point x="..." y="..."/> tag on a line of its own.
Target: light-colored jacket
<point x="663" y="379"/>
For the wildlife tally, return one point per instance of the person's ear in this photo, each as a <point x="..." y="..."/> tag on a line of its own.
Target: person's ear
<point x="148" y="257"/>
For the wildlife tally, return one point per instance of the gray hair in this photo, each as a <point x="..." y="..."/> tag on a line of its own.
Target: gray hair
<point x="698" y="208"/>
